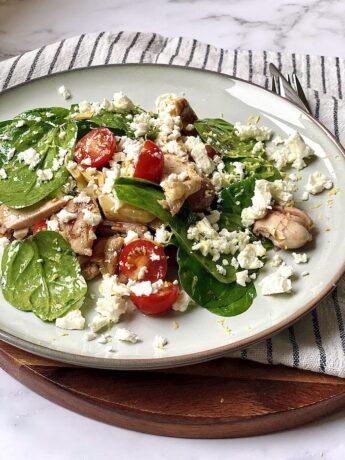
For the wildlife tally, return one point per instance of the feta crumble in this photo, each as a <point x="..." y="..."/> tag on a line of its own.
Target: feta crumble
<point x="265" y="192"/>
<point x="3" y="174"/>
<point x="253" y="131"/>
<point x="248" y="257"/>
<point x="182" y="302"/>
<point x="66" y="216"/>
<point x="300" y="258"/>
<point x="162" y="235"/>
<point x="276" y="260"/>
<point x="30" y="157"/>
<point x="44" y="175"/>
<point x="160" y="342"/>
<point x="242" y="277"/>
<point x="131" y="236"/>
<point x="99" y="322"/>
<point x="91" y="218"/>
<point x="198" y="152"/>
<point x="126" y="336"/>
<point x="73" y="320"/>
<point x="317" y="183"/>
<point x="122" y="103"/>
<point x="64" y="92"/>
<point x="278" y="282"/>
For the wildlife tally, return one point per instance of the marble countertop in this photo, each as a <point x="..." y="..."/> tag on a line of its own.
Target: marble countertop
<point x="31" y="427"/>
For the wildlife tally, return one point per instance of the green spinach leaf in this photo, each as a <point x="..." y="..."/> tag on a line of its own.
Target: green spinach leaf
<point x="221" y="135"/>
<point x="255" y="167"/>
<point x="42" y="274"/>
<point x="49" y="134"/>
<point x="219" y="298"/>
<point x="144" y="195"/>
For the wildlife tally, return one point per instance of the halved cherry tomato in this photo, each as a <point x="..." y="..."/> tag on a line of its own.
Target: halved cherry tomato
<point x="157" y="303"/>
<point x="150" y="163"/>
<point x="96" y="148"/>
<point x="39" y="226"/>
<point x="143" y="253"/>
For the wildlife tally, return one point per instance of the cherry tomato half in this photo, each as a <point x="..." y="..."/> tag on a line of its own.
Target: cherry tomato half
<point x="150" y="163"/>
<point x="39" y="226"/>
<point x="143" y="253"/>
<point x="96" y="148"/>
<point x="160" y="302"/>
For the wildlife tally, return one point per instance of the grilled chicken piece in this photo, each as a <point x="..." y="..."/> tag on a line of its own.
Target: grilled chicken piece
<point x="104" y="258"/>
<point x="20" y="234"/>
<point x="286" y="227"/>
<point x="187" y="115"/>
<point x="108" y="228"/>
<point x="177" y="189"/>
<point x="79" y="232"/>
<point x="203" y="198"/>
<point x="17" y="219"/>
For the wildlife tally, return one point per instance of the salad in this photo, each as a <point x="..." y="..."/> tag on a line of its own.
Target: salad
<point x="165" y="208"/>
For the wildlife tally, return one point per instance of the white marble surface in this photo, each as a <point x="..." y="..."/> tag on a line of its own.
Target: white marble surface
<point x="31" y="427"/>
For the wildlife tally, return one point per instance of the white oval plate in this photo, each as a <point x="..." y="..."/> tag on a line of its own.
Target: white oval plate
<point x="200" y="336"/>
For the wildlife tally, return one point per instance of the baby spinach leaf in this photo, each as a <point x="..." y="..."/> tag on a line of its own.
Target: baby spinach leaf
<point x="221" y="135"/>
<point x="144" y="195"/>
<point x="117" y="122"/>
<point x="219" y="298"/>
<point x="48" y="133"/>
<point x="255" y="167"/>
<point x="42" y="274"/>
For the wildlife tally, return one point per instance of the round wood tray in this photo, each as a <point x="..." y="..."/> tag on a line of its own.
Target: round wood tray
<point x="218" y="399"/>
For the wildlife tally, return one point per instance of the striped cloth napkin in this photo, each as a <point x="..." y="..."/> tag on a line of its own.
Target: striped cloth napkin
<point x="317" y="342"/>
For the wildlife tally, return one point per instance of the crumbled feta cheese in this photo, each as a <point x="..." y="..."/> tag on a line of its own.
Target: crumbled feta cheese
<point x="317" y="183"/>
<point x="82" y="198"/>
<point x="52" y="225"/>
<point x="66" y="216"/>
<point x="122" y="103"/>
<point x="148" y="236"/>
<point x="175" y="147"/>
<point x="166" y="103"/>
<point x="131" y="236"/>
<point x="160" y="342"/>
<point x="110" y="176"/>
<point x="234" y="263"/>
<point x="10" y="153"/>
<point x="126" y="336"/>
<point x="3" y="241"/>
<point x="89" y="336"/>
<point x="141" y="288"/>
<point x="30" y="157"/>
<point x="182" y="302"/>
<point x="221" y="270"/>
<point x="253" y="131"/>
<point x="293" y="152"/>
<point x="64" y="92"/>
<point x="276" y="260"/>
<point x="98" y="323"/>
<point x="278" y="282"/>
<point x="248" y="257"/>
<point x="20" y="123"/>
<point x="3" y="174"/>
<point x="258" y="147"/>
<point x="141" y="124"/>
<point x="110" y="286"/>
<point x="198" y="151"/>
<point x="242" y="277"/>
<point x="44" y="175"/>
<point x="112" y="307"/>
<point x="154" y="257"/>
<point x="162" y="235"/>
<point x="305" y="196"/>
<point x="300" y="258"/>
<point x="73" y="320"/>
<point x="91" y="218"/>
<point x="264" y="193"/>
<point x="239" y="169"/>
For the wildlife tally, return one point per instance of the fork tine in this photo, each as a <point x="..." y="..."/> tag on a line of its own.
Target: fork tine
<point x="300" y="91"/>
<point x="275" y="85"/>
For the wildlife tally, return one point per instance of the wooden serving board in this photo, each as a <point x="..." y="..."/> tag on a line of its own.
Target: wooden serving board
<point x="218" y="399"/>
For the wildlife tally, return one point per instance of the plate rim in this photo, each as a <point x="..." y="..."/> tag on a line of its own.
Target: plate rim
<point x="190" y="358"/>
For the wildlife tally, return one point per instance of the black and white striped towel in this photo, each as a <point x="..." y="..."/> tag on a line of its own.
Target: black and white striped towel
<point x="317" y="342"/>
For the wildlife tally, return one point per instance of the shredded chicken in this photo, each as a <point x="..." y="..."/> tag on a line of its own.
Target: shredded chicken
<point x="176" y="190"/>
<point x="287" y="228"/>
<point x="78" y="232"/>
<point x="187" y="115"/>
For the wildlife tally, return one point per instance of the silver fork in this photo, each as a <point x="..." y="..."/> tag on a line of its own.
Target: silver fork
<point x="289" y="88"/>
